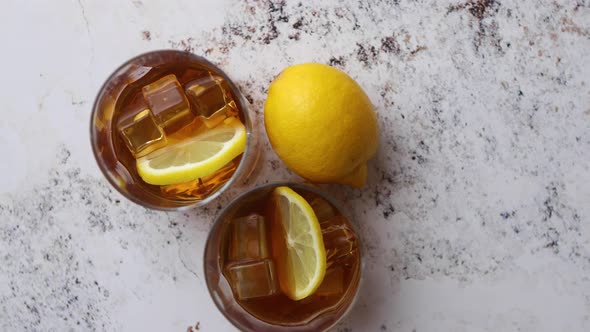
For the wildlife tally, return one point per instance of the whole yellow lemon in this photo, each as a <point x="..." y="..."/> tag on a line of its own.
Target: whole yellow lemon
<point x="321" y="124"/>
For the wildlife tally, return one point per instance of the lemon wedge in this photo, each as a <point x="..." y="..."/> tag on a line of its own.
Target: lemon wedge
<point x="196" y="157"/>
<point x="300" y="255"/>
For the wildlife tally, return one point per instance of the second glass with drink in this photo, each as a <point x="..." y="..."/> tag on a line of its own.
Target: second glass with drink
<point x="247" y="261"/>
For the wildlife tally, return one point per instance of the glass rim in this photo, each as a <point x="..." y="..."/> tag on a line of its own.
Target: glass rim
<point x="113" y="181"/>
<point x="294" y="185"/>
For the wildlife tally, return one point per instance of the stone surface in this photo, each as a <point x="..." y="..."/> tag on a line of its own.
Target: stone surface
<point x="476" y="214"/>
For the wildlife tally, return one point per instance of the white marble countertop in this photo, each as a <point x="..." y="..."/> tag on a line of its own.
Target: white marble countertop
<point x="476" y="215"/>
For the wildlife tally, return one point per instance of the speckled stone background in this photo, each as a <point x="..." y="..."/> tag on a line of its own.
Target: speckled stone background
<point x="476" y="214"/>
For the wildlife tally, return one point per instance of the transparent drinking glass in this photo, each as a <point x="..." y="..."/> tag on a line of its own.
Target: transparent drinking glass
<point x="123" y="89"/>
<point x="239" y="223"/>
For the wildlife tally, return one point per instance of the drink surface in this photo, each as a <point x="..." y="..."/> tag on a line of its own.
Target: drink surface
<point x="247" y="261"/>
<point x="159" y="100"/>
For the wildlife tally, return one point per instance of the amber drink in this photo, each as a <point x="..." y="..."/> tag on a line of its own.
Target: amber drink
<point x="158" y="100"/>
<point x="240" y="265"/>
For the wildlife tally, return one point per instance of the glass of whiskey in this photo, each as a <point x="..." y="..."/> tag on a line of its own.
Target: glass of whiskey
<point x="160" y="101"/>
<point x="240" y="265"/>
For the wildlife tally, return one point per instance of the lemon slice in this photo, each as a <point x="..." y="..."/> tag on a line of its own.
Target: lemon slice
<point x="196" y="157"/>
<point x="297" y="240"/>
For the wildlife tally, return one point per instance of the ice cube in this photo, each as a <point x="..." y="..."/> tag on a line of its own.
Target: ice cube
<point x="211" y="99"/>
<point x="323" y="210"/>
<point x="167" y="101"/>
<point x="333" y="283"/>
<point x="141" y="133"/>
<point x="339" y="241"/>
<point x="248" y="239"/>
<point x="253" y="279"/>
